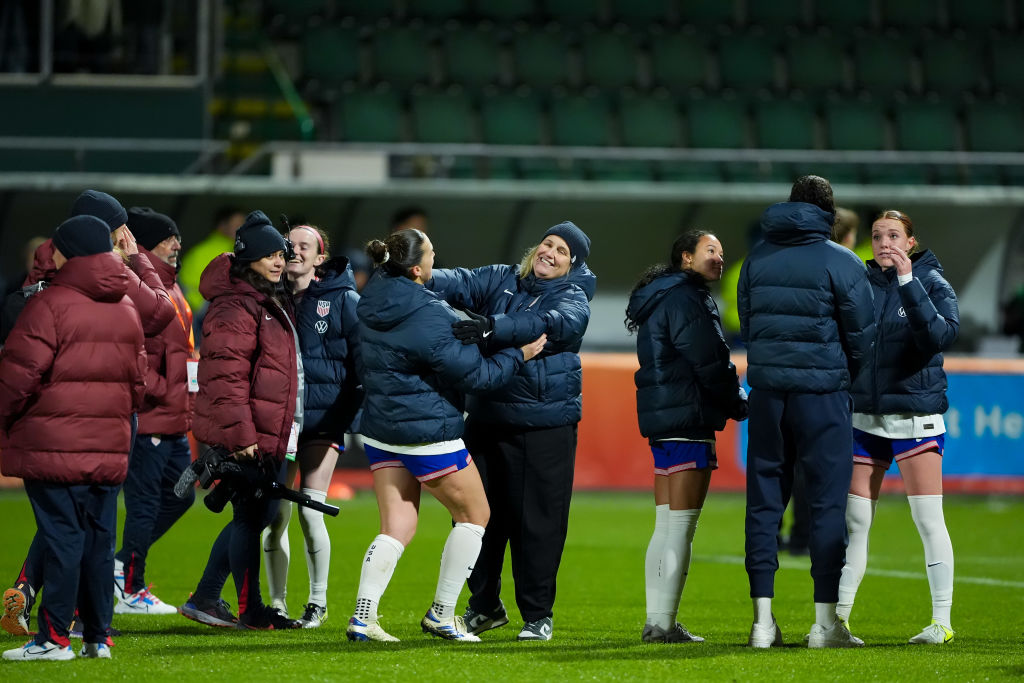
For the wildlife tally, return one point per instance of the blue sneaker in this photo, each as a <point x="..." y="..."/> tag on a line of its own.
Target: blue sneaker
<point x="450" y="629"/>
<point x="212" y="613"/>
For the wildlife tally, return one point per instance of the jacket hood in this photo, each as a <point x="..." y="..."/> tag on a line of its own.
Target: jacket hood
<point x="921" y="261"/>
<point x="216" y="280"/>
<point x="43" y="268"/>
<point x="101" y="277"/>
<point x="387" y="300"/>
<point x="579" y="275"/>
<point x="166" y="271"/>
<point x="646" y="299"/>
<point x="793" y="223"/>
<point x="337" y="276"/>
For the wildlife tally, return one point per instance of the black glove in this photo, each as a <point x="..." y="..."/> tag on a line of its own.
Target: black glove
<point x="474" y="330"/>
<point x="741" y="409"/>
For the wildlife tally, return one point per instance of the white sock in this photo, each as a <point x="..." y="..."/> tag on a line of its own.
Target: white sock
<point x="682" y="525"/>
<point x="763" y="611"/>
<point x="825" y="614"/>
<point x="652" y="565"/>
<point x="938" y="553"/>
<point x="276" y="552"/>
<point x="378" y="566"/>
<point x="860" y="514"/>
<point x="457" y="560"/>
<point x="318" y="547"/>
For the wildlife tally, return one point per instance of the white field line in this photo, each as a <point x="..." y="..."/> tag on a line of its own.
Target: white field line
<point x="889" y="573"/>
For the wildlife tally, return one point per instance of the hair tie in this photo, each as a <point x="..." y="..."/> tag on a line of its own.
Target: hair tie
<point x="316" y="232"/>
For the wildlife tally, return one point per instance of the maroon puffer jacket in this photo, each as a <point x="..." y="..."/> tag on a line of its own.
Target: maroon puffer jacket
<point x="168" y="405"/>
<point x="43" y="268"/>
<point x="71" y="374"/>
<point x="248" y="372"/>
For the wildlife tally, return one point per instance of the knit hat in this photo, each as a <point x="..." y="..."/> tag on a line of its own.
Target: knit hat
<point x="102" y="206"/>
<point x="258" y="238"/>
<point x="579" y="243"/>
<point x="82" y="236"/>
<point x="150" y="227"/>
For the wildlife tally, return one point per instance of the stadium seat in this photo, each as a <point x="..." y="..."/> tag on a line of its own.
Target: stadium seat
<point x="642" y="14"/>
<point x="330" y="55"/>
<point x="368" y="117"/>
<point x="511" y="120"/>
<point x="815" y="63"/>
<point x="571" y="12"/>
<point x="718" y="123"/>
<point x="296" y="12"/>
<point x="690" y="171"/>
<point x="852" y="125"/>
<point x="909" y="14"/>
<point x="757" y="172"/>
<point x="505" y="10"/>
<point x="975" y="16"/>
<point x="439" y="10"/>
<point x="541" y="58"/>
<point x="365" y="9"/>
<point x="784" y="124"/>
<point x="843" y="17"/>
<point x="581" y="121"/>
<point x="499" y="168"/>
<point x="747" y="62"/>
<point x="952" y="65"/>
<point x="550" y="169"/>
<point x="679" y="61"/>
<point x="881" y="64"/>
<point x="707" y="13"/>
<point x="614" y="169"/>
<point x="650" y="122"/>
<point x="609" y="59"/>
<point x="926" y="126"/>
<point x="443" y="117"/>
<point x="776" y="14"/>
<point x="1008" y="65"/>
<point x="896" y="174"/>
<point x="401" y="56"/>
<point x="993" y="127"/>
<point x="836" y="173"/>
<point x="472" y="57"/>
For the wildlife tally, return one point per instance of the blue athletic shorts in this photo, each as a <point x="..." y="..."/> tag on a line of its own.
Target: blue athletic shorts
<point x="880" y="451"/>
<point x="675" y="456"/>
<point x="423" y="467"/>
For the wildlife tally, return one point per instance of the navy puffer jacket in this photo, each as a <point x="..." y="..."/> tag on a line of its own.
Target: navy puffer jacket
<point x="325" y="318"/>
<point x="805" y="305"/>
<point x="686" y="386"/>
<point x="915" y="323"/>
<point x="414" y="370"/>
<point x="547" y="391"/>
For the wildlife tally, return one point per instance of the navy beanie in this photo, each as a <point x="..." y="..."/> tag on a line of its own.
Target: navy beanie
<point x="82" y="236"/>
<point x="150" y="227"/>
<point x="258" y="238"/>
<point x="579" y="243"/>
<point x="102" y="206"/>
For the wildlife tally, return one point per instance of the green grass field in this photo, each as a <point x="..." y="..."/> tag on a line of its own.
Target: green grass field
<point x="600" y="607"/>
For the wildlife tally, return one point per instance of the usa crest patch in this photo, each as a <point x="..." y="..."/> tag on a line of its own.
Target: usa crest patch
<point x="323" y="308"/>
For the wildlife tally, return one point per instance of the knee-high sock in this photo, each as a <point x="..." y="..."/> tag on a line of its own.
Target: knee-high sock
<point x="675" y="565"/>
<point x="318" y="548"/>
<point x="378" y="566"/>
<point x="652" y="564"/>
<point x="860" y="514"/>
<point x="457" y="560"/>
<point x="276" y="553"/>
<point x="938" y="553"/>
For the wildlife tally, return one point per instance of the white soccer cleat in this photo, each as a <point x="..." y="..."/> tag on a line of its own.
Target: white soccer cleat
<point x="763" y="637"/>
<point x="837" y="635"/>
<point x="95" y="651"/>
<point x="359" y="632"/>
<point x="48" y="651"/>
<point x="143" y="602"/>
<point x="449" y="629"/>
<point x="933" y="634"/>
<point x="677" y="634"/>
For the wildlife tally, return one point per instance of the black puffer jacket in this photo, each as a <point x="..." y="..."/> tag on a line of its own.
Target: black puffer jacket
<point x="915" y="324"/>
<point x="686" y="386"/>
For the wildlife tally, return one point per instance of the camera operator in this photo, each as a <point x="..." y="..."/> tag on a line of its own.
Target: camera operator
<point x="249" y="403"/>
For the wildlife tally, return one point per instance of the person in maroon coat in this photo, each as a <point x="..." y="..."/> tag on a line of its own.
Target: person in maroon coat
<point x="249" y="403"/>
<point x="71" y="375"/>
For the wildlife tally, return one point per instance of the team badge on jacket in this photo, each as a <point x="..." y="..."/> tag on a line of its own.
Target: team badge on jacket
<point x="323" y="308"/>
<point x="321" y="326"/>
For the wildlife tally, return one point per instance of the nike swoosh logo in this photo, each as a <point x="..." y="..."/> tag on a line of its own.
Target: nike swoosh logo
<point x="934" y="563"/>
<point x="269" y="317"/>
<point x="508" y="292"/>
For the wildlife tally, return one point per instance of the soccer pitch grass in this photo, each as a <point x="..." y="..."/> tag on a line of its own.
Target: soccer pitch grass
<point x="599" y="611"/>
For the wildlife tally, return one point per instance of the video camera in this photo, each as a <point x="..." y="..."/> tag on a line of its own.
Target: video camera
<point x="239" y="481"/>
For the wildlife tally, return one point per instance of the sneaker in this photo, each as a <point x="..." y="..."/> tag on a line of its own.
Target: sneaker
<point x="837" y="635"/>
<point x="933" y="634"/>
<point x="314" y="616"/>
<point x="478" y="622"/>
<point x="280" y="605"/>
<point x="762" y="637"/>
<point x="18" y="601"/>
<point x="536" y="630"/>
<point x="214" y="613"/>
<point x="266" y="619"/>
<point x="449" y="629"/>
<point x="95" y="651"/>
<point x="359" y="632"/>
<point x="142" y="602"/>
<point x="119" y="589"/>
<point x="47" y="651"/>
<point x="677" y="634"/>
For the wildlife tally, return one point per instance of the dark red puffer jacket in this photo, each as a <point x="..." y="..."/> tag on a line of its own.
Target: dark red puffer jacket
<point x="248" y="372"/>
<point x="168" y="405"/>
<point x="71" y="374"/>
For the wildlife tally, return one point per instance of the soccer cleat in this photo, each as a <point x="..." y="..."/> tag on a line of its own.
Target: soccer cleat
<point x="95" y="651"/>
<point x="213" y="613"/>
<point x="314" y="616"/>
<point x="280" y="605"/>
<point x="837" y="635"/>
<point x="478" y="622"/>
<point x="677" y="634"/>
<point x="18" y="601"/>
<point x="359" y="632"/>
<point x="30" y="651"/>
<point x="142" y="602"/>
<point x="449" y="629"/>
<point x="536" y="630"/>
<point x="762" y="637"/>
<point x="266" y="619"/>
<point x="933" y="634"/>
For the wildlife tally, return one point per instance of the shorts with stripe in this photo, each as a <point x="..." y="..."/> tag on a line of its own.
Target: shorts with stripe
<point x="675" y="456"/>
<point x="423" y="467"/>
<point x="880" y="451"/>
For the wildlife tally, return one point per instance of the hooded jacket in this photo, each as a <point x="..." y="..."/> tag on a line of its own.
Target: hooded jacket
<point x="71" y="374"/>
<point x="915" y="323"/>
<point x="329" y="337"/>
<point x="414" y="370"/>
<point x="686" y="386"/>
<point x="248" y="372"/>
<point x="547" y="391"/>
<point x="805" y="305"/>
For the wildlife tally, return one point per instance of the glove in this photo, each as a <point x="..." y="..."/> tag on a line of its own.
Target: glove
<point x="474" y="330"/>
<point x="741" y="409"/>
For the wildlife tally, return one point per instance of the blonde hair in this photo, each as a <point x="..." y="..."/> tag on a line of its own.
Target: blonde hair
<point x="526" y="265"/>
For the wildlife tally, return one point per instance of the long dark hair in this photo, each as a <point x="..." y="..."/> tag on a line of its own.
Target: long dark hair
<point x="686" y="242"/>
<point x="241" y="270"/>
<point x="399" y="252"/>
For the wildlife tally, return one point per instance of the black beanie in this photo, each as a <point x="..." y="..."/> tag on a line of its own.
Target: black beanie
<point x="150" y="227"/>
<point x="82" y="236"/>
<point x="102" y="206"/>
<point x="579" y="243"/>
<point x="258" y="238"/>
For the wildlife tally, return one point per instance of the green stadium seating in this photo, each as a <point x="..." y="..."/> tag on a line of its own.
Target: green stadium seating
<point x="571" y="12"/>
<point x="815" y="63"/>
<point x="835" y="173"/>
<point x="443" y="117"/>
<point x="897" y="174"/>
<point x="784" y="124"/>
<point x="952" y="66"/>
<point x="718" y="123"/>
<point x="855" y="125"/>
<point x="581" y="121"/>
<point x="926" y="126"/>
<point x="707" y="13"/>
<point x="754" y="172"/>
<point x="977" y="15"/>
<point x="747" y="62"/>
<point x="297" y="11"/>
<point x="1008" y="65"/>
<point x="843" y="17"/>
<point x="401" y="56"/>
<point x="679" y="61"/>
<point x="439" y="10"/>
<point x="368" y="117"/>
<point x="550" y="169"/>
<point x="882" y="64"/>
<point x="690" y="171"/>
<point x="776" y="14"/>
<point x="650" y="122"/>
<point x="499" y="168"/>
<point x="501" y="11"/>
<point x="365" y="9"/>
<point x="610" y="169"/>
<point x="993" y="127"/>
<point x="330" y="54"/>
<point x="541" y="58"/>
<point x="642" y="14"/>
<point x="511" y="120"/>
<point x="472" y="57"/>
<point x="909" y="14"/>
<point x="609" y="59"/>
